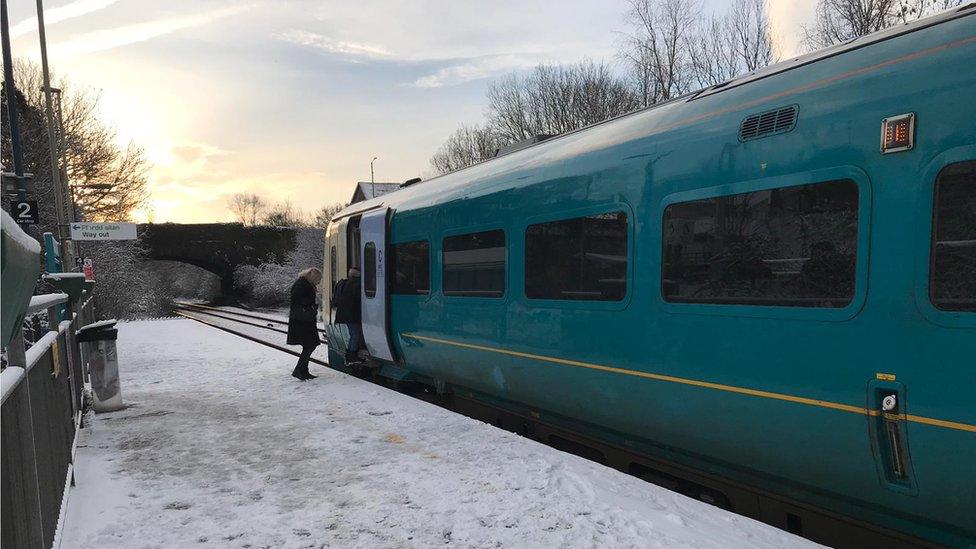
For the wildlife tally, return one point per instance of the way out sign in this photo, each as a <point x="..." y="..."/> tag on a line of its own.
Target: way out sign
<point x="103" y="231"/>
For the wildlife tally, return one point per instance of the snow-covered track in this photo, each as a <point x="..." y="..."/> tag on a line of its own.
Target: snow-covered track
<point x="185" y="313"/>
<point x="197" y="306"/>
<point x="231" y="315"/>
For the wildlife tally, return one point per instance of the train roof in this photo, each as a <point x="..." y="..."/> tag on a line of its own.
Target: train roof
<point x="652" y="120"/>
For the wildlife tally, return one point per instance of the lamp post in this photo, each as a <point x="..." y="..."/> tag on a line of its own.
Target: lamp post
<point x="19" y="177"/>
<point x="372" y="177"/>
<point x="52" y="137"/>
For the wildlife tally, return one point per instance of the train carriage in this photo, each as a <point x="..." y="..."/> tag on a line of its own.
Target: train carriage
<point x="767" y="287"/>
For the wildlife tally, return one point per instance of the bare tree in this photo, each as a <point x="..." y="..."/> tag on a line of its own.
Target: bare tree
<point x="466" y="146"/>
<point x="549" y="100"/>
<point x="723" y="47"/>
<point x="750" y="34"/>
<point x="656" y="48"/>
<point x="108" y="182"/>
<point x="325" y="214"/>
<point x="284" y="214"/>
<point x="670" y="50"/>
<point x="555" y="99"/>
<point x="674" y="48"/>
<point x="248" y="208"/>
<point x="838" y="21"/>
<point x="842" y="20"/>
<point x="508" y="110"/>
<point x="712" y="56"/>
<point x="111" y="192"/>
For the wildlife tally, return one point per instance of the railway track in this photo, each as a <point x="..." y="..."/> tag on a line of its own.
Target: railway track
<point x="205" y="315"/>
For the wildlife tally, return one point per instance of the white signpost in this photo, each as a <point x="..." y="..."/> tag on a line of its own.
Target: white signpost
<point x="103" y="231"/>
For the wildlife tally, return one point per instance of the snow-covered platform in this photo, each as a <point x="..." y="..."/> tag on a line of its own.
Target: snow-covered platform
<point x="221" y="447"/>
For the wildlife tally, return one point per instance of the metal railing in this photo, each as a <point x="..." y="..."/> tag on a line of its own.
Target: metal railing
<point x="42" y="388"/>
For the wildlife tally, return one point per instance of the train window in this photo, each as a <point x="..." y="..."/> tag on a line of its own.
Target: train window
<point x="369" y="269"/>
<point x="790" y="246"/>
<point x="474" y="264"/>
<point x="952" y="282"/>
<point x="332" y="269"/>
<point x="584" y="258"/>
<point x="411" y="265"/>
<point x="353" y="241"/>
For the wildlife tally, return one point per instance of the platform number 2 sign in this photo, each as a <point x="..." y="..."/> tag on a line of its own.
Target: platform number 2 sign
<point x="24" y="212"/>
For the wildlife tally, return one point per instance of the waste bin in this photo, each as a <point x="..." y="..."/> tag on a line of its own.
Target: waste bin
<point x="99" y="353"/>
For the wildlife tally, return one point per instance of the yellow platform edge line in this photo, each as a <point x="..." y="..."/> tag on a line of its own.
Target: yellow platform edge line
<point x="697" y="383"/>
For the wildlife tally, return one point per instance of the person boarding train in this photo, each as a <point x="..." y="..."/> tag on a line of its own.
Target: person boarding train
<point x="302" y="327"/>
<point x="348" y="303"/>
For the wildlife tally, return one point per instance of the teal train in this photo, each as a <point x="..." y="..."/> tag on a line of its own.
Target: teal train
<point x="762" y="294"/>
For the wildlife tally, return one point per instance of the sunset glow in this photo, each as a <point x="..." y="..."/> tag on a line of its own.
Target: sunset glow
<point x="291" y="101"/>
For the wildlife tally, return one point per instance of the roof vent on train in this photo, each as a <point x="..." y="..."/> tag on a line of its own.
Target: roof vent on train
<point x="768" y="123"/>
<point x="409" y="182"/>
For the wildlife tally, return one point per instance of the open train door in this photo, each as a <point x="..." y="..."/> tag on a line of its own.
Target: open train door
<point x="336" y="268"/>
<point x="372" y="229"/>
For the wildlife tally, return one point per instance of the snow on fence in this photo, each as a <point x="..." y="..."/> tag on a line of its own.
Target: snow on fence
<point x="39" y="303"/>
<point x="41" y="413"/>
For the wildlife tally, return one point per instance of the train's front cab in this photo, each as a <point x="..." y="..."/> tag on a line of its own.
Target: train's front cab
<point x="358" y="241"/>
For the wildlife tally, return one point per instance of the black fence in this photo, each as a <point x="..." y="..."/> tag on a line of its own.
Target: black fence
<point x="41" y="413"/>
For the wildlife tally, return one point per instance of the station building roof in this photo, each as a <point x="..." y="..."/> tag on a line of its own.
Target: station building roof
<point x="366" y="190"/>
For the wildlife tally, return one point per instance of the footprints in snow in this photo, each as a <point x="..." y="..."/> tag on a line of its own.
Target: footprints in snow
<point x="177" y="506"/>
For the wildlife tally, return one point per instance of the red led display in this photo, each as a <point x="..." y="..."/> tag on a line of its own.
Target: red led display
<point x="898" y="133"/>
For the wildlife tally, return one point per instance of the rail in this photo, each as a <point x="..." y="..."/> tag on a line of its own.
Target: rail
<point x="190" y="313"/>
<point x="229" y="315"/>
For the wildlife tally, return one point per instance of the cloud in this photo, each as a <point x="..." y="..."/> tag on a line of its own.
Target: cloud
<point x="71" y="10"/>
<point x="787" y="17"/>
<point x="351" y="50"/>
<point x="191" y="199"/>
<point x="197" y="180"/>
<point x="325" y="67"/>
<point x="201" y="163"/>
<point x="457" y="71"/>
<point x="190" y="152"/>
<point x="475" y="69"/>
<point x="107" y="39"/>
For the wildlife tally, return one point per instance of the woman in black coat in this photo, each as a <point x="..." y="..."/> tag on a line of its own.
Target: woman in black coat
<point x="302" y="326"/>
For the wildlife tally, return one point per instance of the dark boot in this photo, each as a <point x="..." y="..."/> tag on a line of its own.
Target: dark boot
<point x="301" y="369"/>
<point x="296" y="374"/>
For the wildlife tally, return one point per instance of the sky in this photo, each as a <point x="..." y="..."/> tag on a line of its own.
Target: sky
<point x="291" y="100"/>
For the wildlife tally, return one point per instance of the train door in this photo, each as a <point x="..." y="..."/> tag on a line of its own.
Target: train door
<point x="372" y="229"/>
<point x="335" y="266"/>
<point x="354" y="246"/>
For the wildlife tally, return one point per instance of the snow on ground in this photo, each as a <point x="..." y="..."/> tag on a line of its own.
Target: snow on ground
<point x="220" y="447"/>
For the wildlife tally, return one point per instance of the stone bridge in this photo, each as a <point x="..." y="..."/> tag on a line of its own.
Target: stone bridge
<point x="216" y="247"/>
